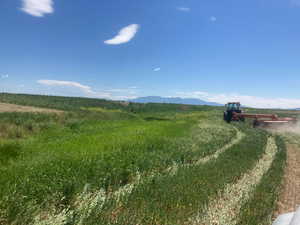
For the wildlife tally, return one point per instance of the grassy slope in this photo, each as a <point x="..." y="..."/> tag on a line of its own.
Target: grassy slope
<point x="103" y="148"/>
<point x="76" y="104"/>
<point x="103" y="144"/>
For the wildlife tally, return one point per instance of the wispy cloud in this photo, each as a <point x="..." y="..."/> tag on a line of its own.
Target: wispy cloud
<point x="4" y="76"/>
<point x="84" y="88"/>
<point x="157" y="69"/>
<point x="125" y="35"/>
<point x="248" y="100"/>
<point x="213" y="19"/>
<point x="126" y="91"/>
<point x="37" y="7"/>
<point x="184" y="9"/>
<point x="87" y="91"/>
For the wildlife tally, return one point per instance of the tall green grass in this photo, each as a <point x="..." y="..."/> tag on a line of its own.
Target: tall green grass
<point x="172" y="199"/>
<point x="51" y="168"/>
<point x="16" y="125"/>
<point x="69" y="165"/>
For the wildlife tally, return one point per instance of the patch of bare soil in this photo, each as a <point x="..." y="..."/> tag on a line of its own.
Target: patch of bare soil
<point x="289" y="199"/>
<point x="5" y="107"/>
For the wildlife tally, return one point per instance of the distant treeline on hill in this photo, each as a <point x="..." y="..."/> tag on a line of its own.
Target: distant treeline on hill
<point x="78" y="103"/>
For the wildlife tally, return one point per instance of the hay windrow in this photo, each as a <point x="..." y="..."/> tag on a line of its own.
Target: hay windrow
<point x="239" y="137"/>
<point x="225" y="209"/>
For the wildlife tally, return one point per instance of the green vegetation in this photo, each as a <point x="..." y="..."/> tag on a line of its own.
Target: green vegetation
<point x="172" y="199"/>
<point x="103" y="162"/>
<point x="76" y="104"/>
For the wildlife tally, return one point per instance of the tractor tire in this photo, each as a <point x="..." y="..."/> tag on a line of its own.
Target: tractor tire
<point x="255" y="124"/>
<point x="229" y="116"/>
<point x="225" y="116"/>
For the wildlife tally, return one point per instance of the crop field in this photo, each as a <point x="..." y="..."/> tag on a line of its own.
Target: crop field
<point x="103" y="162"/>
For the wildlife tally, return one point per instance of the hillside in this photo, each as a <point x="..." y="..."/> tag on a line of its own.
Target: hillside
<point x="79" y="103"/>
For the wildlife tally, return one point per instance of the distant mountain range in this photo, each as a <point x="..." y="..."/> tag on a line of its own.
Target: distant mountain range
<point x="186" y="101"/>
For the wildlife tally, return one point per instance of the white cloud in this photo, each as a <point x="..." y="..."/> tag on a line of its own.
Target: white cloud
<point x="84" y="88"/>
<point x="129" y="92"/>
<point x="124" y="97"/>
<point x="213" y="19"/>
<point x="252" y="101"/>
<point x="157" y="69"/>
<point x="4" y="76"/>
<point x="114" y="94"/>
<point x="125" y="35"/>
<point x="183" y="9"/>
<point x="37" y="7"/>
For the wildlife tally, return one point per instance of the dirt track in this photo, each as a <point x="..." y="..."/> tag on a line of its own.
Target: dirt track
<point x="289" y="199"/>
<point x="5" y="107"/>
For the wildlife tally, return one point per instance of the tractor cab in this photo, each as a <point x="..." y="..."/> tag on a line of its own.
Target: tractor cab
<point x="231" y="108"/>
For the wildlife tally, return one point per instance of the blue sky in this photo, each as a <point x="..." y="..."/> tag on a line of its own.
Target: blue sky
<point x="216" y="50"/>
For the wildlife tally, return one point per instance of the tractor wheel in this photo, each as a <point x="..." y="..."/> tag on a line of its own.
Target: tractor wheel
<point x="255" y="123"/>
<point x="225" y="116"/>
<point x="229" y="116"/>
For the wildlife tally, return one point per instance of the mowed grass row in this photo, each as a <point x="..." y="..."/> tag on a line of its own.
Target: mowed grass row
<point x="173" y="199"/>
<point x="50" y="169"/>
<point x="225" y="208"/>
<point x="260" y="208"/>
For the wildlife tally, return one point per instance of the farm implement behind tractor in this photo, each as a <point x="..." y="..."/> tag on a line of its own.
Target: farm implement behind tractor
<point x="234" y="113"/>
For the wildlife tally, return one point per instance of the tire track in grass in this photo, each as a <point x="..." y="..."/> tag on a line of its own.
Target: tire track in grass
<point x="86" y="202"/>
<point x="225" y="209"/>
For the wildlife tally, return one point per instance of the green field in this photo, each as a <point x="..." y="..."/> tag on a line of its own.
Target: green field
<point x="104" y="162"/>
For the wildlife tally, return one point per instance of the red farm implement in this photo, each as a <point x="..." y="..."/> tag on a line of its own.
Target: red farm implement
<point x="233" y="112"/>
